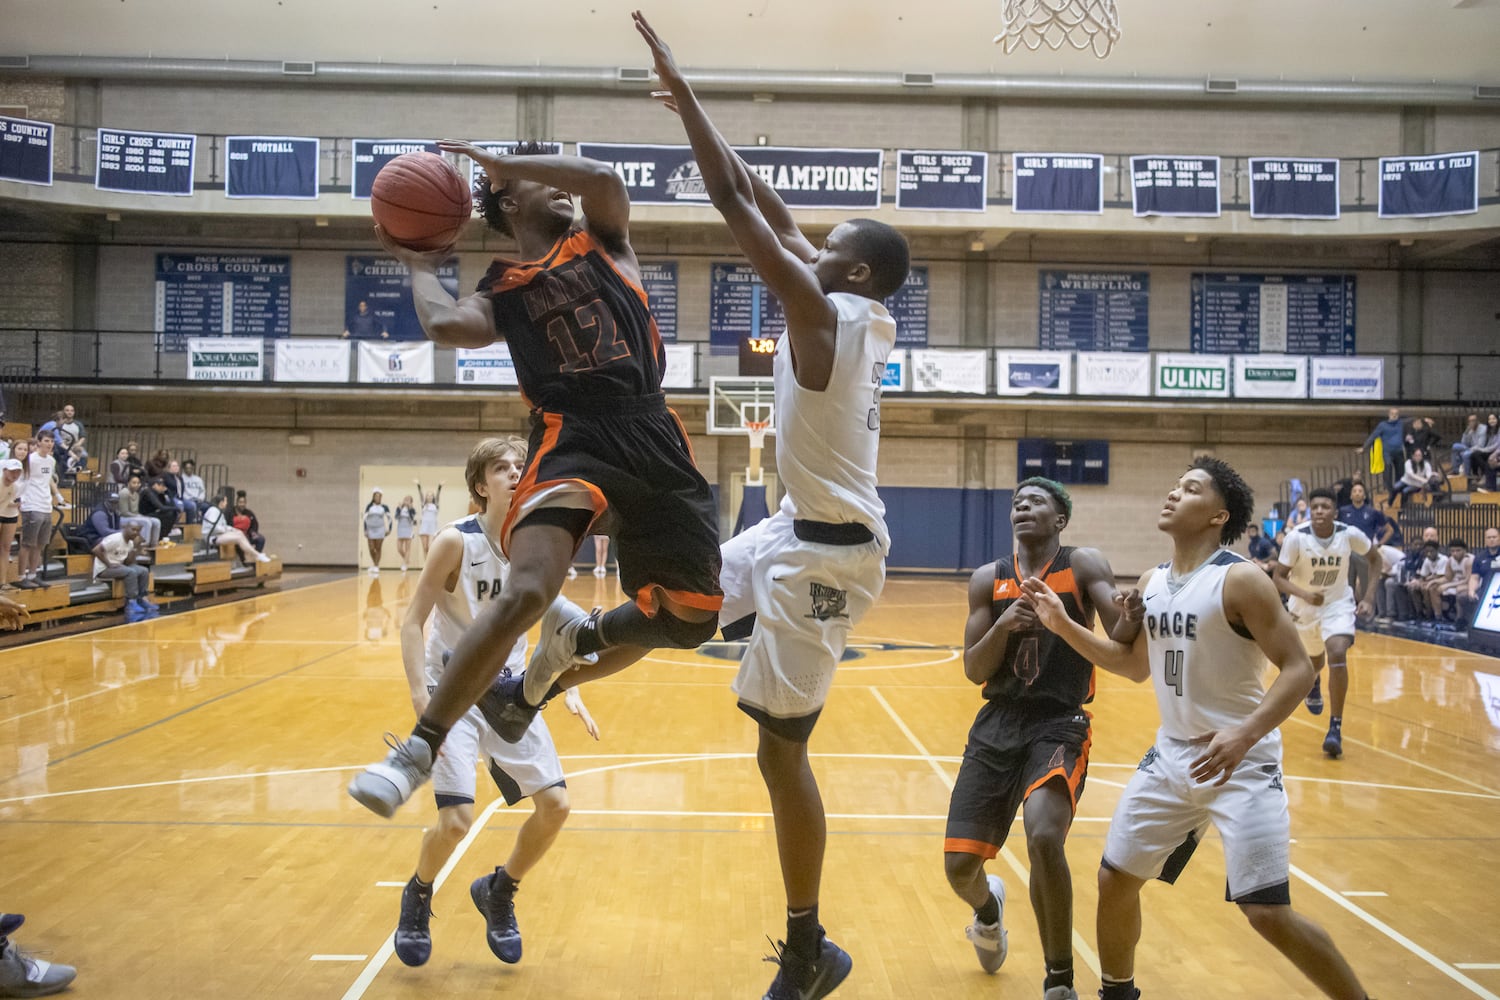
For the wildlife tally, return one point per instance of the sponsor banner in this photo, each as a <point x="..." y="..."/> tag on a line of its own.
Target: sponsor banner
<point x="1421" y="186"/>
<point x="659" y="279"/>
<point x="804" y="178"/>
<point x="1025" y="373"/>
<point x="270" y="166"/>
<point x="503" y="148"/>
<point x="1175" y="185"/>
<point x="384" y="285"/>
<point x="897" y="377"/>
<point x="311" y="359"/>
<point x="25" y="151"/>
<point x="144" y="162"/>
<point x="1291" y="188"/>
<point x="1060" y="183"/>
<point x="399" y="363"/>
<point x="1093" y="310"/>
<point x="1109" y="374"/>
<point x="1270" y="376"/>
<point x="1348" y="378"/>
<point x="1192" y="375"/>
<point x="681" y="370"/>
<point x="939" y="179"/>
<point x="221" y="294"/>
<point x="225" y="359"/>
<point x="372" y="154"/>
<point x="489" y="365"/>
<point x="908" y="307"/>
<point x="950" y="371"/>
<point x="1273" y="313"/>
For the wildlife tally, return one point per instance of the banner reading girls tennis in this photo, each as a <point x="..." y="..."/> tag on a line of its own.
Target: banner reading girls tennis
<point x="804" y="178"/>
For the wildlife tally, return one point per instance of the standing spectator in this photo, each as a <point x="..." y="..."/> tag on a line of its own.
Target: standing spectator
<point x="38" y="497"/>
<point x="217" y="530"/>
<point x="1486" y="560"/>
<point x="119" y="469"/>
<point x="1474" y="436"/>
<point x="130" y="511"/>
<point x="377" y="524"/>
<point x="1422" y="434"/>
<point x="157" y="464"/>
<point x="157" y="503"/>
<point x="1482" y="458"/>
<point x="429" y="524"/>
<point x="177" y="489"/>
<point x="1417" y="476"/>
<point x="406" y="525"/>
<point x="117" y="557"/>
<point x="1391" y="433"/>
<point x="245" y="520"/>
<point x="365" y="325"/>
<point x="1375" y="526"/>
<point x="192" y="486"/>
<point x="70" y="428"/>
<point x="10" y="514"/>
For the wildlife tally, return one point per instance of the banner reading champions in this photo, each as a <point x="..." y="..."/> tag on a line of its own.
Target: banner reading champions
<point x="25" y="151"/>
<point x="804" y="178"/>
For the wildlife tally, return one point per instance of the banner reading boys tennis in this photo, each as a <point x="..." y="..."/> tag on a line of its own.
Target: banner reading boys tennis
<point x="225" y="359"/>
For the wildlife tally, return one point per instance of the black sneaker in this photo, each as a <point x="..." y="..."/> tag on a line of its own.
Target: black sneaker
<point x="1333" y="743"/>
<point x="502" y="709"/>
<point x="1315" y="696"/>
<point x="413" y="939"/>
<point x="499" y="908"/>
<point x="800" y="979"/>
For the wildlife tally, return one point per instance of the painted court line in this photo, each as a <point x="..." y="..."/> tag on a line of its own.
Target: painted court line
<point x="337" y="958"/>
<point x="1405" y="760"/>
<point x="1477" y="966"/>
<point x="390" y="885"/>
<point x="1361" y="892"/>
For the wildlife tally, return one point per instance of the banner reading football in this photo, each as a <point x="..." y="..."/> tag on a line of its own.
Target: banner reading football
<point x="408" y="364"/>
<point x="268" y="166"/>
<point x="225" y="359"/>
<point x="25" y="151"/>
<point x="804" y="178"/>
<point x="312" y="359"/>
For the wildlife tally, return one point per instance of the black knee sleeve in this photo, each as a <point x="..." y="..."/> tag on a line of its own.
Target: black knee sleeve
<point x="679" y="634"/>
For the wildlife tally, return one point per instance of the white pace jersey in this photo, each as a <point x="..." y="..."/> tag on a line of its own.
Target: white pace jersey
<point x="827" y="442"/>
<point x="481" y="578"/>
<point x="1206" y="673"/>
<point x="1321" y="565"/>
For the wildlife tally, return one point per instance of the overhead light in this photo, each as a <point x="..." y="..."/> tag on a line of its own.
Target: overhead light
<point x="918" y="79"/>
<point x="1190" y="238"/>
<point x="632" y="74"/>
<point x="111" y="216"/>
<point x="321" y="222"/>
<point x="762" y="140"/>
<point x="1212" y="86"/>
<point x="976" y="243"/>
<point x="763" y="98"/>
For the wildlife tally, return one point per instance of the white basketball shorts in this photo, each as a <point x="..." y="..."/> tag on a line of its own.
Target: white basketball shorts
<point x="1317" y="623"/>
<point x="519" y="769"/>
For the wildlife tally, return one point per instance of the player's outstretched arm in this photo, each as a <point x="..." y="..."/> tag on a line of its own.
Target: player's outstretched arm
<point x="985" y="635"/>
<point x="1128" y="661"/>
<point x="439" y="576"/>
<point x="1120" y="615"/>
<point x="1281" y="573"/>
<point x="448" y="322"/>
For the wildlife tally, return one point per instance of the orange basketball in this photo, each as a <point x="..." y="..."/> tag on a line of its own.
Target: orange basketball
<point x="420" y="201"/>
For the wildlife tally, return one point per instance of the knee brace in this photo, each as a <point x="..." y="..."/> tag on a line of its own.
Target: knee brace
<point x="679" y="634"/>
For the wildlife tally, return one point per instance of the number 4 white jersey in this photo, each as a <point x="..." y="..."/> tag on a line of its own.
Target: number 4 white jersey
<point x="1321" y="565"/>
<point x="1206" y="672"/>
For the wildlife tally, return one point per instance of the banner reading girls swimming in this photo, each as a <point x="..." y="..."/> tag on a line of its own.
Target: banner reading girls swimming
<point x="1060" y="183"/>
<point x="270" y="166"/>
<point x="372" y="154"/>
<point x="144" y="162"/>
<point x="25" y="151"/>
<point x="1420" y="186"/>
<point x="384" y="285"/>
<point x="804" y="178"/>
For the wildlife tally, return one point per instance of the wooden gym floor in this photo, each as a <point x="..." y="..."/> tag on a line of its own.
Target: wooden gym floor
<point x="174" y="822"/>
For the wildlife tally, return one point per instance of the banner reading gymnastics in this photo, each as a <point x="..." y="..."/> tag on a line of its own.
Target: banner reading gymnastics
<point x="270" y="166"/>
<point x="372" y="154"/>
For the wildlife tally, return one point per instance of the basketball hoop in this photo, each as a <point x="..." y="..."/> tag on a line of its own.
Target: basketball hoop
<point x="1082" y="24"/>
<point x="756" y="429"/>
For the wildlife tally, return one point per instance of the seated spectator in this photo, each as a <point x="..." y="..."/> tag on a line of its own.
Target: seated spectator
<point x="1422" y="434"/>
<point x="1262" y="549"/>
<point x="1486" y="560"/>
<point x="10" y="514"/>
<point x="217" y="531"/>
<point x="117" y="557"/>
<point x="157" y="464"/>
<point x="1390" y="598"/>
<point x="133" y="456"/>
<point x="192" y="485"/>
<point x="1455" y="580"/>
<point x="130" y="511"/>
<point x="244" y="519"/>
<point x="176" y="489"/>
<point x="1417" y="477"/>
<point x="155" y="502"/>
<point x="104" y="519"/>
<point x="1485" y="458"/>
<point x="1433" y="568"/>
<point x="1299" y="514"/>
<point x="1474" y="436"/>
<point x="119" y="469"/>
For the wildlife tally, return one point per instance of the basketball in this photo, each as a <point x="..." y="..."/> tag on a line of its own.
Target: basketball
<point x="420" y="201"/>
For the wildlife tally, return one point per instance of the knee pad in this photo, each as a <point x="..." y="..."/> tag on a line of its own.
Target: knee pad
<point x="680" y="634"/>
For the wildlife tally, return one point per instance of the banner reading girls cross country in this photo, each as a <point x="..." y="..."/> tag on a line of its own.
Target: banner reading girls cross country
<point x="372" y="154"/>
<point x="144" y="162"/>
<point x="804" y="178"/>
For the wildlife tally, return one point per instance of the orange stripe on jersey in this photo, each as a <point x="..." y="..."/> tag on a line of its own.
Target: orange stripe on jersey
<point x="530" y="485"/>
<point x="685" y="439"/>
<point x="1073" y="778"/>
<point x="957" y="845"/>
<point x="1062" y="582"/>
<point x="1007" y="590"/>
<point x="645" y="599"/>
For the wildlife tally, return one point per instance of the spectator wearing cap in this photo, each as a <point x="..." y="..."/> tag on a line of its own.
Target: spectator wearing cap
<point x="104" y="519"/>
<point x="10" y="514"/>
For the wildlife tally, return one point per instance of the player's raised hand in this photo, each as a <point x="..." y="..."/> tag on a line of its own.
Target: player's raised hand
<point x="1225" y="749"/>
<point x="487" y="159"/>
<point x="1049" y="607"/>
<point x="13" y="614"/>
<point x="1131" y="605"/>
<point x="666" y="66"/>
<point x="666" y="100"/>
<point x="425" y="259"/>
<point x="573" y="702"/>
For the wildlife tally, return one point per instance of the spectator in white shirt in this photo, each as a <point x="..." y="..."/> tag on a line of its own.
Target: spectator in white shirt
<point x="10" y="514"/>
<point x="217" y="531"/>
<point x="192" y="485"/>
<point x="1434" y="566"/>
<point x="116" y="557"/>
<point x="38" y="498"/>
<point x="1418" y="475"/>
<point x="1455" y="577"/>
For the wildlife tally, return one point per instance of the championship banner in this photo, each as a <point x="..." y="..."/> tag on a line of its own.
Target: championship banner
<point x="950" y="371"/>
<point x="1348" y="378"/>
<point x="1192" y="375"/>
<point x="1272" y="313"/>
<point x="1026" y="373"/>
<point x="488" y="365"/>
<point x="268" y="166"/>
<point x="372" y="154"/>
<point x="1109" y="374"/>
<point x="1093" y="310"/>
<point x="1060" y="183"/>
<point x="225" y="359"/>
<point x="1175" y="185"/>
<point x="1289" y="188"/>
<point x="897" y="375"/>
<point x="1270" y="376"/>
<point x="25" y="151"/>
<point x="396" y="363"/>
<point x="311" y="359"/>
<point x="503" y="148"/>
<point x="681" y="371"/>
<point x="940" y="180"/>
<point x="383" y="284"/>
<point x="1416" y="187"/>
<point x="740" y="308"/>
<point x="659" y="279"/>
<point x="804" y="178"/>
<point x="908" y="307"/>
<point x="220" y="294"/>
<point x="144" y="162"/>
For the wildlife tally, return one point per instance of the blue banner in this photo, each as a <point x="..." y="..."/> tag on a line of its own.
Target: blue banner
<point x="659" y="279"/>
<point x="1419" y="186"/>
<point x="804" y="178"/>
<point x="942" y="180"/>
<point x="908" y="308"/>
<point x="270" y="166"/>
<point x="144" y="162"/>
<point x="1291" y="188"/>
<point x="383" y="284"/>
<point x="221" y="295"/>
<point x="1093" y="310"/>
<point x="740" y="307"/>
<point x="372" y="154"/>
<point x="1273" y="313"/>
<point x="1175" y="185"/>
<point x="1070" y="183"/>
<point x="504" y="148"/>
<point x="25" y="151"/>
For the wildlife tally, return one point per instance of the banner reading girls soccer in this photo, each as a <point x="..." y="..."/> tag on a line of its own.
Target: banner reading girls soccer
<point x="269" y="166"/>
<point x="941" y="179"/>
<point x="25" y="151"/>
<point x="384" y="285"/>
<point x="372" y="154"/>
<point x="804" y="178"/>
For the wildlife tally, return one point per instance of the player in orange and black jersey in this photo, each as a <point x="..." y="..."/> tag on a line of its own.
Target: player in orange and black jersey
<point x="1030" y="741"/>
<point x="606" y="454"/>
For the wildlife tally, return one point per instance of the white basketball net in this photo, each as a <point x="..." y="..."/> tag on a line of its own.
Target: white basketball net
<point x="1083" y="24"/>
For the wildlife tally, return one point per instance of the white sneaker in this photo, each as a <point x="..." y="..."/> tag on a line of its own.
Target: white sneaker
<point x="384" y="786"/>
<point x="556" y="649"/>
<point x="262" y="557"/>
<point x="403" y="567"/>
<point x="991" y="943"/>
<point x="1061" y="993"/>
<point x="23" y="975"/>
<point x="572" y="573"/>
<point x="600" y="572"/>
<point x="374" y="571"/>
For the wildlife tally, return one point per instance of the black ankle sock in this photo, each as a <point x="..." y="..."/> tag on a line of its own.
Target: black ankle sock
<point x="554" y="691"/>
<point x="1060" y="976"/>
<point x="1124" y="990"/>
<point x="502" y="882"/>
<point x="803" y="932"/>
<point x="989" y="913"/>
<point x="588" y="639"/>
<point x="425" y="888"/>
<point x="432" y="735"/>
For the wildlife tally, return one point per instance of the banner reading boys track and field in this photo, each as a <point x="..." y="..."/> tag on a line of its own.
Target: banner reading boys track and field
<point x="941" y="179"/>
<point x="270" y="166"/>
<point x="144" y="162"/>
<point x="804" y="178"/>
<point x="372" y="154"/>
<point x="25" y="151"/>
<point x="221" y="294"/>
<point x="384" y="285"/>
<point x="1421" y="186"/>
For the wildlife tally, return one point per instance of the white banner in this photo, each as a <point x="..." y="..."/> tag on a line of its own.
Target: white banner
<point x="490" y="365"/>
<point x="1270" y="376"/>
<point x="1192" y="375"/>
<point x="312" y="359"/>
<point x="225" y="359"/>
<point x="404" y="361"/>
<point x="1025" y="373"/>
<point x="1348" y="378"/>
<point x="681" y="371"/>
<point x="897" y="376"/>
<point x="949" y="371"/>
<point x="1104" y="373"/>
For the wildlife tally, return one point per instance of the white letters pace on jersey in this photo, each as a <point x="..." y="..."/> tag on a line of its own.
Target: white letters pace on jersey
<point x="1207" y="673"/>
<point x="1321" y="565"/>
<point x="827" y="442"/>
<point x="481" y="577"/>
